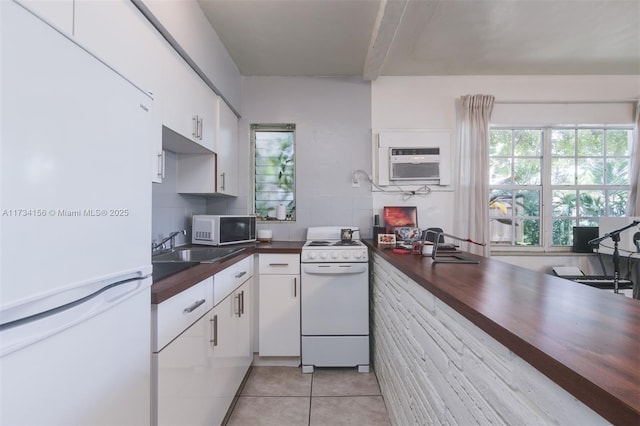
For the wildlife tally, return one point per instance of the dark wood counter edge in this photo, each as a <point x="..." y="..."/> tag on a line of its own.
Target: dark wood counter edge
<point x="174" y="284"/>
<point x="617" y="404"/>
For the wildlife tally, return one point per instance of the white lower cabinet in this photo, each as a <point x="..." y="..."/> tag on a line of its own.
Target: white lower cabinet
<point x="182" y="357"/>
<point x="185" y="376"/>
<point x="232" y="354"/>
<point x="279" y="305"/>
<point x="202" y="348"/>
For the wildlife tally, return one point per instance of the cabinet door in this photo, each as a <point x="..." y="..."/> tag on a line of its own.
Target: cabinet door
<point x="118" y="33"/>
<point x="58" y="13"/>
<point x="227" y="150"/>
<point x="232" y="351"/>
<point x="279" y="317"/>
<point x="224" y="321"/>
<point x="185" y="378"/>
<point x="245" y="348"/>
<point x="189" y="105"/>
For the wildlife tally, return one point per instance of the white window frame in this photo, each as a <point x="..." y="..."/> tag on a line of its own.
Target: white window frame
<point x="546" y="188"/>
<point x="275" y="127"/>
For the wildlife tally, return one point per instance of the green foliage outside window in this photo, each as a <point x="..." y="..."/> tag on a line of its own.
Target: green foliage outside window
<point x="588" y="178"/>
<point x="274" y="166"/>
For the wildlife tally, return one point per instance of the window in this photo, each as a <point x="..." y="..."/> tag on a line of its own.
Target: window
<point x="545" y="181"/>
<point x="273" y="153"/>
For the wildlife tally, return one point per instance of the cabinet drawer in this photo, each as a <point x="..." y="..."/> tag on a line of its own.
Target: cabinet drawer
<point x="224" y="282"/>
<point x="279" y="264"/>
<point x="176" y="314"/>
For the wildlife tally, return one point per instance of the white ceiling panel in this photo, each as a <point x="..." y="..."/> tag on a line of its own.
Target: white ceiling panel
<point x="429" y="37"/>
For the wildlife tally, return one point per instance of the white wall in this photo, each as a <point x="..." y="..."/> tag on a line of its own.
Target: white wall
<point x="429" y="103"/>
<point x="333" y="127"/>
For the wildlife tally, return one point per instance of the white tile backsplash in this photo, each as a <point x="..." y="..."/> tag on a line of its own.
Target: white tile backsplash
<point x="173" y="211"/>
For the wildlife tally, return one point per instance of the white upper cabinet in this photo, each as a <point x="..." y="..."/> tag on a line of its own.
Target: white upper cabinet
<point x="189" y="105"/>
<point x="58" y="13"/>
<point x="190" y="28"/>
<point x="121" y="36"/>
<point x="227" y="150"/>
<point x="212" y="174"/>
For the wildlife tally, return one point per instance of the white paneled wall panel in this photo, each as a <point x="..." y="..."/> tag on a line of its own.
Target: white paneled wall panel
<point x="434" y="366"/>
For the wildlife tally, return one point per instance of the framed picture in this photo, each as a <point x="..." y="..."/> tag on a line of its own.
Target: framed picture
<point x="386" y="240"/>
<point x="400" y="216"/>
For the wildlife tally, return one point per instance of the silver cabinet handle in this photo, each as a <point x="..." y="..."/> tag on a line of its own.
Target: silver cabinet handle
<point x="242" y="304"/>
<point x="200" y="120"/>
<point x="295" y="285"/>
<point x="214" y="330"/>
<point x="236" y="309"/>
<point x="223" y="181"/>
<point x="193" y="307"/>
<point x="161" y="165"/>
<point x="279" y="264"/>
<point x="194" y="126"/>
<point x="241" y="274"/>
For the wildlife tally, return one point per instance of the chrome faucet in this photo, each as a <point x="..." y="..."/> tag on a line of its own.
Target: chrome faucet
<point x="172" y="241"/>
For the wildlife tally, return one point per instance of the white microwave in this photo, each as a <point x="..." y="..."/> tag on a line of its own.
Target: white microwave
<point x="220" y="230"/>
<point x="414" y="164"/>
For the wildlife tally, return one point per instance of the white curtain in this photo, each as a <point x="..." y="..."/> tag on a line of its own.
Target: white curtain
<point x="633" y="204"/>
<point x="471" y="211"/>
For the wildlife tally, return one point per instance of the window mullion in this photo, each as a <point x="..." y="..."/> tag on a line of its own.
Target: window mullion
<point x="547" y="205"/>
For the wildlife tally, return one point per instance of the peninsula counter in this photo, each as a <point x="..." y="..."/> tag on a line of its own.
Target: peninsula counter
<point x="494" y="342"/>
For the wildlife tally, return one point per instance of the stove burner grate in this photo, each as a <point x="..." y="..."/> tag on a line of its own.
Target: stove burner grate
<point x="347" y="243"/>
<point x="319" y="243"/>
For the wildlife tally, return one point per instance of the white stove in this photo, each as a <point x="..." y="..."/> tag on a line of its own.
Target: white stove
<point x="334" y="289"/>
<point x="324" y="245"/>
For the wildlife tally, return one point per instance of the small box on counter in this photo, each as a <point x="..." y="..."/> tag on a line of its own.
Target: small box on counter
<point x="386" y="241"/>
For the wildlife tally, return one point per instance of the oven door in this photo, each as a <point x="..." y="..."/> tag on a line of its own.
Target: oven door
<point x="335" y="299"/>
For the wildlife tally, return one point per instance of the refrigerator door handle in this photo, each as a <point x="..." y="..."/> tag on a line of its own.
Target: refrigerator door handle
<point x="26" y="331"/>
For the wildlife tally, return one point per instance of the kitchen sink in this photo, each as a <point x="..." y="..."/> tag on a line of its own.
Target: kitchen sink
<point x="165" y="269"/>
<point x="196" y="254"/>
<point x="169" y="263"/>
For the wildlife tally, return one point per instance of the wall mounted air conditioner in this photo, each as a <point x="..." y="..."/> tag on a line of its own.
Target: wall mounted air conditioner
<point x="412" y="157"/>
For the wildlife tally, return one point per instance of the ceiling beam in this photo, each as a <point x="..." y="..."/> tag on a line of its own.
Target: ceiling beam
<point x="387" y="23"/>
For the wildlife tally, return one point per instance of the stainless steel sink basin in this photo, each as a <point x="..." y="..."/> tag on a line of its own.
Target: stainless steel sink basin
<point x="196" y="254"/>
<point x="165" y="269"/>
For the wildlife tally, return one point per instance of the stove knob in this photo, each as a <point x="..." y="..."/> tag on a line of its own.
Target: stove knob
<point x="346" y="254"/>
<point x="323" y="255"/>
<point x="312" y="255"/>
<point x="357" y="254"/>
<point x="334" y="254"/>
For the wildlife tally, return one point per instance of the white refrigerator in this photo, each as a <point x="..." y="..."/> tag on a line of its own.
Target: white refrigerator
<point x="75" y="232"/>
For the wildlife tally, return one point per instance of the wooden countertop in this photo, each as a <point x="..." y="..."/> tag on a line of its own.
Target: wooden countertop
<point x="584" y="339"/>
<point x="170" y="286"/>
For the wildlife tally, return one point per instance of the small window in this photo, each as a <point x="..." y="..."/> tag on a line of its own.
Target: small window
<point x="273" y="161"/>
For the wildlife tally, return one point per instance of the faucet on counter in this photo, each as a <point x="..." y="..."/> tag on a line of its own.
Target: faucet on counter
<point x="171" y="238"/>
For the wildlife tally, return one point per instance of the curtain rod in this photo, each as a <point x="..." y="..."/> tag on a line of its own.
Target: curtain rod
<point x="552" y="102"/>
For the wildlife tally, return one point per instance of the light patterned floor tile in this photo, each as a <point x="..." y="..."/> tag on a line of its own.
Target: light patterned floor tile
<point x="344" y="382"/>
<point x="270" y="411"/>
<point x="277" y="381"/>
<point x="349" y="410"/>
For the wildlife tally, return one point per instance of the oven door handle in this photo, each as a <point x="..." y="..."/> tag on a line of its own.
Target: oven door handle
<point x="334" y="268"/>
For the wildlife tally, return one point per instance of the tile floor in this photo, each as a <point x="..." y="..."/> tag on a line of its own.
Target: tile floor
<point x="328" y="397"/>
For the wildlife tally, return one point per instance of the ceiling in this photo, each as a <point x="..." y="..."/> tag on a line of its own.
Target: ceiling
<point x="372" y="38"/>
